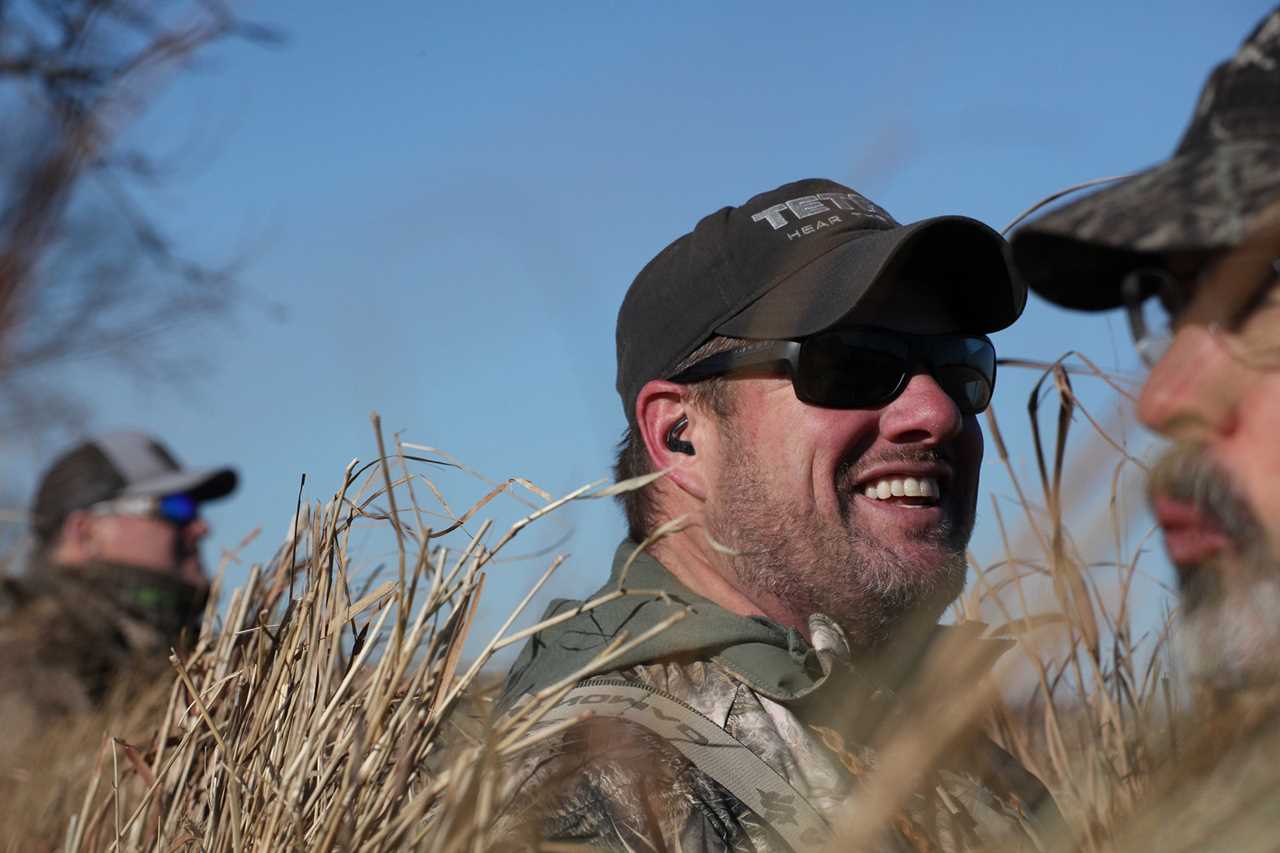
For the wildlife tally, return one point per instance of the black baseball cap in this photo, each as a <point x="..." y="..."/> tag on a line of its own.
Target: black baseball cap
<point x="795" y="261"/>
<point x="114" y="465"/>
<point x="1207" y="196"/>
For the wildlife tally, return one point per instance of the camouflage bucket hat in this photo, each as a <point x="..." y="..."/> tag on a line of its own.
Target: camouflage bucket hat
<point x="1207" y="196"/>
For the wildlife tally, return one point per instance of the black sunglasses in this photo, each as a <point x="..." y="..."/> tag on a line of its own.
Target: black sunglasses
<point x="864" y="367"/>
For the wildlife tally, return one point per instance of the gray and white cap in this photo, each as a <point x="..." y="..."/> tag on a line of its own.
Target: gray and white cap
<point x="119" y="464"/>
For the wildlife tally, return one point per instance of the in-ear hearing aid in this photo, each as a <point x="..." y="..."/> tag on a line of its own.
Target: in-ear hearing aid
<point x="674" y="442"/>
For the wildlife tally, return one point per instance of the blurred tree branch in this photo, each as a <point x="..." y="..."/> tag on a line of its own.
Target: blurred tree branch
<point x="85" y="270"/>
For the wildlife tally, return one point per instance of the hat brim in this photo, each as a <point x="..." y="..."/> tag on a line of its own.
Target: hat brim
<point x="203" y="485"/>
<point x="963" y="256"/>
<point x="1202" y="200"/>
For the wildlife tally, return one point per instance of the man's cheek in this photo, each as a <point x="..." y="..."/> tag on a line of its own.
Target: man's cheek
<point x="1252" y="466"/>
<point x="979" y="443"/>
<point x="1266" y="506"/>
<point x="968" y="461"/>
<point x="1256" y="464"/>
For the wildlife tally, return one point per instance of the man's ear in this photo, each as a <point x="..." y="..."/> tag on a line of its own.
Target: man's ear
<point x="659" y="407"/>
<point x="76" y="541"/>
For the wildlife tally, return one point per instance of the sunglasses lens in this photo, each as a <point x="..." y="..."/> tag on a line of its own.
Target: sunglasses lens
<point x="844" y="373"/>
<point x="970" y="388"/>
<point x="179" y="509"/>
<point x="1152" y="299"/>
<point x="966" y="369"/>
<point x="864" y="368"/>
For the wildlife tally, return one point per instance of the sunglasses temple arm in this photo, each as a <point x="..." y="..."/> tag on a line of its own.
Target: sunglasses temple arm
<point x="754" y="355"/>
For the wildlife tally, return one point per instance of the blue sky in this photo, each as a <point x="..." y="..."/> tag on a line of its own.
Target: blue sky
<point x="449" y="201"/>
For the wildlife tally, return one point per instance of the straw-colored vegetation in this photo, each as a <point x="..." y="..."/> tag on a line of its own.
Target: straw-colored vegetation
<point x="324" y="711"/>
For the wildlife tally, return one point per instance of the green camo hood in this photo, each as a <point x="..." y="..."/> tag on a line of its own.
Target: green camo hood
<point x="770" y="659"/>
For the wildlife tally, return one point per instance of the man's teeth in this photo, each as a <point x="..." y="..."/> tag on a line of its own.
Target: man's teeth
<point x="898" y="487"/>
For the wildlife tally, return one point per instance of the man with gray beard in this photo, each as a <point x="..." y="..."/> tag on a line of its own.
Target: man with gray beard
<point x="801" y="377"/>
<point x="1228" y="633"/>
<point x="1188" y="248"/>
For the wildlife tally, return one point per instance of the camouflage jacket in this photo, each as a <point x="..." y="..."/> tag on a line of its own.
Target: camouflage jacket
<point x="608" y="783"/>
<point x="70" y="636"/>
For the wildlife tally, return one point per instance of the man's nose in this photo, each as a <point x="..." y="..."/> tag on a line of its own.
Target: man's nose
<point x="196" y="530"/>
<point x="922" y="413"/>
<point x="190" y="567"/>
<point x="1192" y="392"/>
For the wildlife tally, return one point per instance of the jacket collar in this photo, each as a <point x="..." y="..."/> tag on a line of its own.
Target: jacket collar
<point x="774" y="661"/>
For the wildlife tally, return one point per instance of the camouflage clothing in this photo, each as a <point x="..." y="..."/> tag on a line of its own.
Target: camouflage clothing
<point x="69" y="636"/>
<point x="1207" y="196"/>
<point x="799" y="707"/>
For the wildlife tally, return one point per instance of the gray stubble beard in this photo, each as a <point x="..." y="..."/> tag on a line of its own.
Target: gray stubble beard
<point x="844" y="573"/>
<point x="1227" y="634"/>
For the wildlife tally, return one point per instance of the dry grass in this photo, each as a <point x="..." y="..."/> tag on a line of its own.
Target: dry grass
<point x="316" y="715"/>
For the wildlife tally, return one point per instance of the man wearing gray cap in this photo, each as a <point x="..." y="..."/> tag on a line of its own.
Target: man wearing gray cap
<point x="115" y="579"/>
<point x="1188" y="248"/>
<point x="808" y="372"/>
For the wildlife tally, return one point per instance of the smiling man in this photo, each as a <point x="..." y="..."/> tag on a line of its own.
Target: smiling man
<point x="1188" y="248"/>
<point x="808" y="373"/>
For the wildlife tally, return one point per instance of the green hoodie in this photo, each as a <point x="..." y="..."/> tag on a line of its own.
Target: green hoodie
<point x="774" y="661"/>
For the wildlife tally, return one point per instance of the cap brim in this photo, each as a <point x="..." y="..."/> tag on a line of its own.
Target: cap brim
<point x="1078" y="254"/>
<point x="203" y="485"/>
<point x="965" y="257"/>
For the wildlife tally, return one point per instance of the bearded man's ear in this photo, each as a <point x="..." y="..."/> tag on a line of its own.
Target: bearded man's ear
<point x="670" y="431"/>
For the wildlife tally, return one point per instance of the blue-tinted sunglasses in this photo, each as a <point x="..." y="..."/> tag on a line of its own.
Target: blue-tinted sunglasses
<point x="179" y="509"/>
